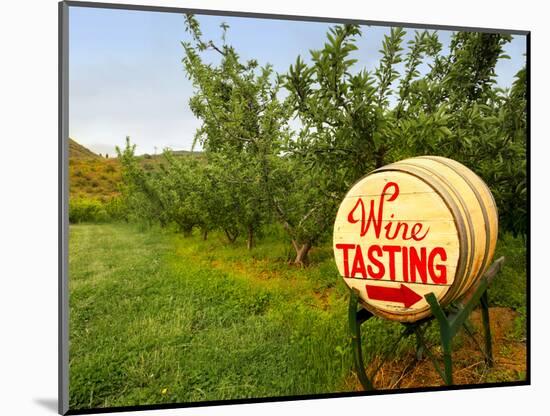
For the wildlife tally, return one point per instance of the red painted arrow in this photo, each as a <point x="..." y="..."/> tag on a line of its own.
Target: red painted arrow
<point x="401" y="294"/>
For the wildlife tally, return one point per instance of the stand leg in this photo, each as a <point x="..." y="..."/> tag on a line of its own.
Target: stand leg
<point x="355" y="328"/>
<point x="447" y="358"/>
<point x="419" y="345"/>
<point x="448" y="327"/>
<point x="487" y="329"/>
<point x="446" y="334"/>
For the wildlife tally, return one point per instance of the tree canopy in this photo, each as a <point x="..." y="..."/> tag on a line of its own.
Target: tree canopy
<point x="258" y="170"/>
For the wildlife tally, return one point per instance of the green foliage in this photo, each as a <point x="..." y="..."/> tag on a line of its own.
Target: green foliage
<point x="509" y="289"/>
<point x="96" y="210"/>
<point x="303" y="200"/>
<point x="236" y="201"/>
<point x="337" y="109"/>
<point x="455" y="111"/>
<point x="116" y="209"/>
<point x="258" y="170"/>
<point x="141" y="194"/>
<point x="350" y="126"/>
<point x="243" y="124"/>
<point x="87" y="210"/>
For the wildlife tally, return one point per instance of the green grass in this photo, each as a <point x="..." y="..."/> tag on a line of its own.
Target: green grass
<point x="155" y="318"/>
<point x="509" y="287"/>
<point x="147" y="314"/>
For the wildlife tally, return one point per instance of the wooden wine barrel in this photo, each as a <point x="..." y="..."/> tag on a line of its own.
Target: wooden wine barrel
<point x="421" y="225"/>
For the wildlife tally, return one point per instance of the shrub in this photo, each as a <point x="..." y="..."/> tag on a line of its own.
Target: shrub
<point x="116" y="209"/>
<point x="87" y="210"/>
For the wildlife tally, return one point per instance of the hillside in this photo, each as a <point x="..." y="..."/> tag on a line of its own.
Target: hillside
<point x="77" y="151"/>
<point x="92" y="176"/>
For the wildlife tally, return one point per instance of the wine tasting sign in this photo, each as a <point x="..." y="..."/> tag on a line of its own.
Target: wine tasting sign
<point x="422" y="225"/>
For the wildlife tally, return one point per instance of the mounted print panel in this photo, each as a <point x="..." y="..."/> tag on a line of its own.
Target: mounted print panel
<point x="259" y="208"/>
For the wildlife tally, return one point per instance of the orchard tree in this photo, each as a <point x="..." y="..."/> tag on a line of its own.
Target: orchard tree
<point x="343" y="112"/>
<point x="457" y="111"/>
<point x="180" y="185"/>
<point x="142" y="197"/>
<point x="346" y="127"/>
<point x="303" y="202"/>
<point x="244" y="129"/>
<point x="355" y="121"/>
<point x="503" y="157"/>
<point x="167" y="194"/>
<point x="242" y="121"/>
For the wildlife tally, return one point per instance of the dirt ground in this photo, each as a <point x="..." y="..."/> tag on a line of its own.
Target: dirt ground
<point x="468" y="361"/>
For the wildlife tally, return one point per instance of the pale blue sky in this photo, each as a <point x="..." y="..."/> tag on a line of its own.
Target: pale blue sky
<point x="126" y="77"/>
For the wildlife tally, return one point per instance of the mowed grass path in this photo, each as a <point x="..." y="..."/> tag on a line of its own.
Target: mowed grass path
<point x="157" y="318"/>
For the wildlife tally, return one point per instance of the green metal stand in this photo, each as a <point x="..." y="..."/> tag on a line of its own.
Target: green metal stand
<point x="450" y="320"/>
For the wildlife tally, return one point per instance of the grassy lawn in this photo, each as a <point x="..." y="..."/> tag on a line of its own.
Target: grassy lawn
<point x="153" y="321"/>
<point x="157" y="318"/>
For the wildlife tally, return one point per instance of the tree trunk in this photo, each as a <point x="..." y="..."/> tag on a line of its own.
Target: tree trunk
<point x="250" y="240"/>
<point x="302" y="253"/>
<point x="204" y="234"/>
<point x="187" y="230"/>
<point x="230" y="236"/>
<point x="379" y="157"/>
